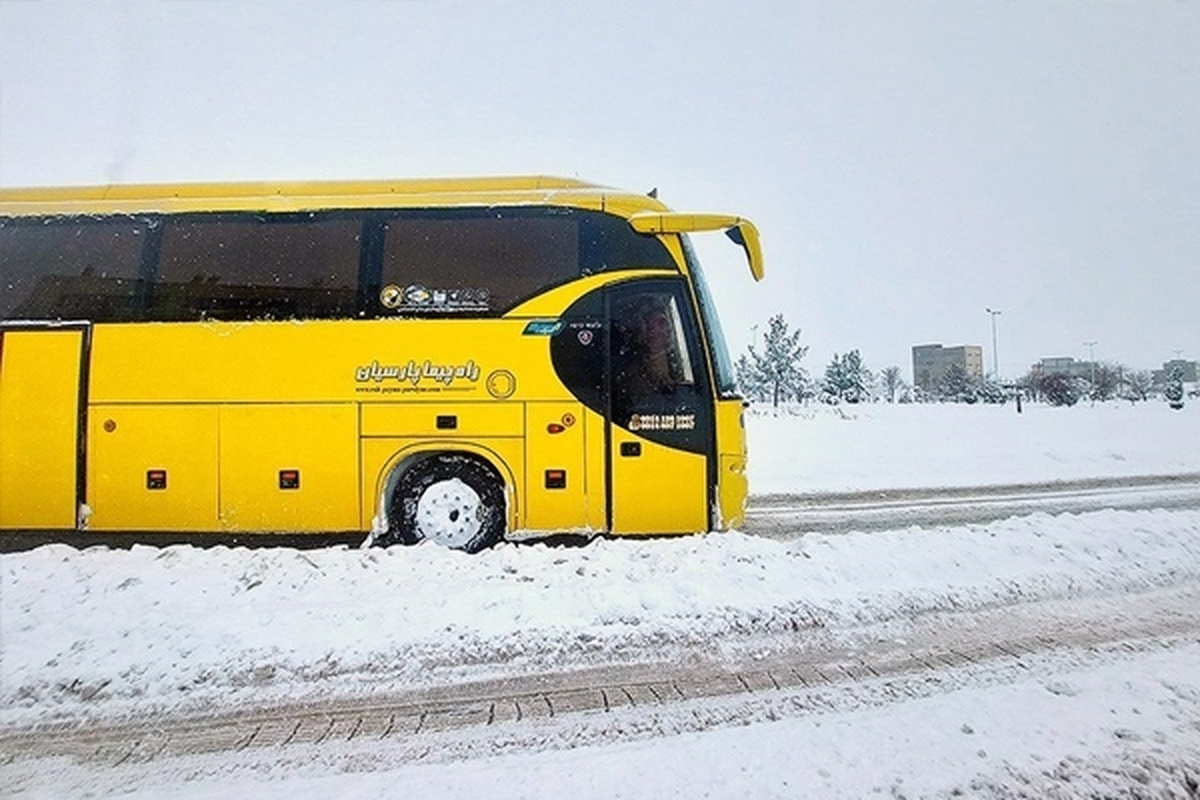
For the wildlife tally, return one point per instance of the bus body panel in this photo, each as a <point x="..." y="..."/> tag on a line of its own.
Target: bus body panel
<point x="289" y="468"/>
<point x="235" y="468"/>
<point x="40" y="373"/>
<point x="153" y="467"/>
<point x="656" y="489"/>
<point x="732" y="485"/>
<point x="455" y="420"/>
<point x="557" y="482"/>
<point x="596" y="460"/>
<point x="318" y="361"/>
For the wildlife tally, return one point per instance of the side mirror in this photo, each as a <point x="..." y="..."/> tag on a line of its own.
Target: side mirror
<point x="740" y="231"/>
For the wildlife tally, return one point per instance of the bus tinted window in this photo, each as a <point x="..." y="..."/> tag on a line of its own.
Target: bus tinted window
<point x="608" y="243"/>
<point x="71" y="269"/>
<point x="485" y="261"/>
<point x="477" y="265"/>
<point x="242" y="266"/>
<point x="249" y="267"/>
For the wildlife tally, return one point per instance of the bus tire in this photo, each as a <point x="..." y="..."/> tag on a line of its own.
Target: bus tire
<point x="452" y="499"/>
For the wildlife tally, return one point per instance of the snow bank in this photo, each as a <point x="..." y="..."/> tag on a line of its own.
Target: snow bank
<point x="880" y="446"/>
<point x="108" y="631"/>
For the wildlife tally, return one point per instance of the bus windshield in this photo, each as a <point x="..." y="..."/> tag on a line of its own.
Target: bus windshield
<point x="724" y="375"/>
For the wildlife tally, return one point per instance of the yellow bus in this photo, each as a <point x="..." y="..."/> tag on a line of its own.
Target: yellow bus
<point x="462" y="361"/>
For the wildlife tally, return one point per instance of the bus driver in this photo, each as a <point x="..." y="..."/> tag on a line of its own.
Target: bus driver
<point x="649" y="354"/>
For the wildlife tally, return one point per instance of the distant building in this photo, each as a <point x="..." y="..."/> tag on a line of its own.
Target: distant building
<point x="931" y="361"/>
<point x="1064" y="365"/>
<point x="1187" y="368"/>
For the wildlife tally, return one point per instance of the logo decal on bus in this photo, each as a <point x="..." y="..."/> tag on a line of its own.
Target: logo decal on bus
<point x="543" y="327"/>
<point x="416" y="295"/>
<point x="390" y="296"/>
<point x="422" y="298"/>
<point x="501" y="384"/>
<point x="418" y="374"/>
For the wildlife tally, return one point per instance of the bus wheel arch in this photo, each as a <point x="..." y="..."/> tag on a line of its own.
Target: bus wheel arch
<point x="454" y="497"/>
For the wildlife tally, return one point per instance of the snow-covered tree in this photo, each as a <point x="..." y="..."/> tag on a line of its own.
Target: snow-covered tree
<point x="774" y="373"/>
<point x="847" y="378"/>
<point x="1059" y="389"/>
<point x="957" y="385"/>
<point x="1174" y="388"/>
<point x="992" y="392"/>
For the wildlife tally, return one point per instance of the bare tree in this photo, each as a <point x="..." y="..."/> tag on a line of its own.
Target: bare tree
<point x="892" y="382"/>
<point x="1031" y="385"/>
<point x="1138" y="384"/>
<point x="1105" y="381"/>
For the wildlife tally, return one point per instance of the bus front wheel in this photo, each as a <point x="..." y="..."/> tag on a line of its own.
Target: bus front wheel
<point x="451" y="499"/>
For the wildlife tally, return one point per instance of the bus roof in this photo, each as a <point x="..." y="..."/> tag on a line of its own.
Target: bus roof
<point x="644" y="211"/>
<point x="322" y="195"/>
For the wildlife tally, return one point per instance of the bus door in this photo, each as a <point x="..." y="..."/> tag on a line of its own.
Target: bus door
<point x="660" y="420"/>
<point x="41" y="374"/>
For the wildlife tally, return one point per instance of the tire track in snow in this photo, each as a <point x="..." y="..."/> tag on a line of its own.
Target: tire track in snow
<point x="767" y="676"/>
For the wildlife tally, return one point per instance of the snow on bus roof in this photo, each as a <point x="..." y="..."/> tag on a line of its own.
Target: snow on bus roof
<point x="318" y="195"/>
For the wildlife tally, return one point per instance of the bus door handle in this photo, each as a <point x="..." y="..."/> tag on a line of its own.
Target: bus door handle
<point x="631" y="449"/>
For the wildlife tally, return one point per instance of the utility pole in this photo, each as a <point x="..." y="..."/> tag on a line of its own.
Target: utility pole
<point x="1091" y="346"/>
<point x="995" y="351"/>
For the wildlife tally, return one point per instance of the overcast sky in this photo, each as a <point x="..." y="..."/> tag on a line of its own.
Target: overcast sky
<point x="909" y="164"/>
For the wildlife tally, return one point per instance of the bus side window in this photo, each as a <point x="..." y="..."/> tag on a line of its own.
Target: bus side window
<point x="70" y="269"/>
<point x="650" y="356"/>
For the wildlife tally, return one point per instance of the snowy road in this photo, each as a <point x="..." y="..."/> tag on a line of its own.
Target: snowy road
<point x="788" y="516"/>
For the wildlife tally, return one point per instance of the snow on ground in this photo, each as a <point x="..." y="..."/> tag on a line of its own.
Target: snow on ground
<point x="881" y="446"/>
<point x="1127" y="728"/>
<point x="111" y="630"/>
<point x="100" y="632"/>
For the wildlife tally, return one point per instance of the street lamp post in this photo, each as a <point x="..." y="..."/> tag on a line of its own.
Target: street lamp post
<point x="995" y="352"/>
<point x="1091" y="346"/>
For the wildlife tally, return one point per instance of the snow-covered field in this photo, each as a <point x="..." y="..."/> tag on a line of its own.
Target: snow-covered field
<point x="101" y="632"/>
<point x="883" y="446"/>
